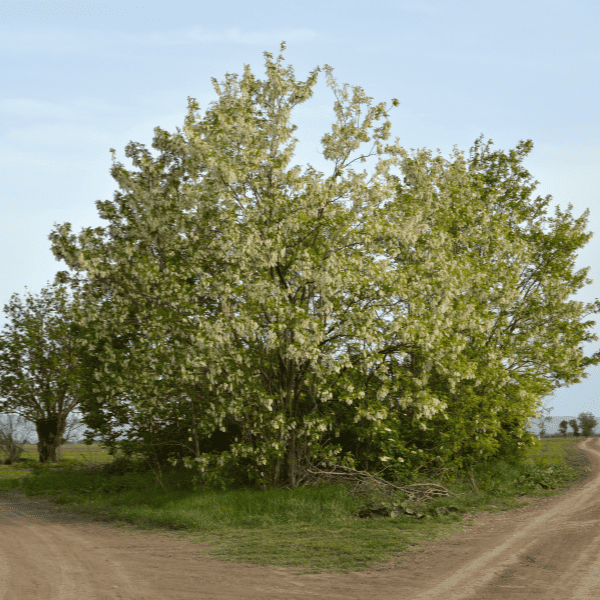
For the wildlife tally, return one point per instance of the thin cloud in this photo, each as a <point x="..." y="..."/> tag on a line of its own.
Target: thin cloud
<point x="417" y="7"/>
<point x="76" y="109"/>
<point x="233" y="35"/>
<point x="36" y="38"/>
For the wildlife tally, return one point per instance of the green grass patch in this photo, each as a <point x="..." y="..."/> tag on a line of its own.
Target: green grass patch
<point x="316" y="528"/>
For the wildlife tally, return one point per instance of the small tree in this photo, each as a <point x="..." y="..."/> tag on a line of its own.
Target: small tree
<point x="37" y="366"/>
<point x="575" y="426"/>
<point x="563" y="428"/>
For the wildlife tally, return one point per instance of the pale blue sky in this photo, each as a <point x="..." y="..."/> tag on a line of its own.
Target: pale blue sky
<point x="80" y="78"/>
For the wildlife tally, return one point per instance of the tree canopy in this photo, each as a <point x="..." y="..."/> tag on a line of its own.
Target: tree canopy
<point x="385" y="323"/>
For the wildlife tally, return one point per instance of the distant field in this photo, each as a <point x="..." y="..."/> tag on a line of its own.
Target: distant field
<point x="94" y="454"/>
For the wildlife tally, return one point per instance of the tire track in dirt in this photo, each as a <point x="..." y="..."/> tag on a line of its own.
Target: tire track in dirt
<point x="554" y="551"/>
<point x="549" y="549"/>
<point x="41" y="558"/>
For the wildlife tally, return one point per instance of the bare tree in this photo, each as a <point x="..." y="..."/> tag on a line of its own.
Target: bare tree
<point x="11" y="439"/>
<point x="73" y="425"/>
<point x="544" y="413"/>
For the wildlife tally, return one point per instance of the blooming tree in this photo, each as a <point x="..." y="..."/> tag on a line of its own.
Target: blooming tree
<point x="245" y="293"/>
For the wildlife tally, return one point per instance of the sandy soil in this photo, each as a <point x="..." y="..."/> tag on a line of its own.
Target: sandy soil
<point x="549" y="549"/>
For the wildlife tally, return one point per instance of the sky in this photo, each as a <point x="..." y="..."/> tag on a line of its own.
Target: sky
<point x="79" y="78"/>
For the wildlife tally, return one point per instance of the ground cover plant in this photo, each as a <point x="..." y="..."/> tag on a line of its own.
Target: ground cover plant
<point x="314" y="527"/>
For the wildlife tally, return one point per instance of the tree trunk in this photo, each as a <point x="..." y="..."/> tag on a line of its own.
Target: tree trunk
<point x="472" y="480"/>
<point x="292" y="460"/>
<point x="195" y="436"/>
<point x="49" y="438"/>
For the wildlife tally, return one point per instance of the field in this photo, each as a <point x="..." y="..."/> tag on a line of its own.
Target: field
<point x="314" y="527"/>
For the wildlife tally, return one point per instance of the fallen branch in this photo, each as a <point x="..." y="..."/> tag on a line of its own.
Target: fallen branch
<point x="366" y="484"/>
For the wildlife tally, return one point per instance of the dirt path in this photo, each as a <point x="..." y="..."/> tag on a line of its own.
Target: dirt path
<point x="550" y="549"/>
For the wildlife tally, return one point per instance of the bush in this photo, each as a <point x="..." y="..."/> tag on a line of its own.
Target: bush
<point x="548" y="478"/>
<point x="123" y="464"/>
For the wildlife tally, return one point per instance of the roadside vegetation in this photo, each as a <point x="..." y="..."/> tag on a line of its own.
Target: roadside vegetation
<point x="317" y="528"/>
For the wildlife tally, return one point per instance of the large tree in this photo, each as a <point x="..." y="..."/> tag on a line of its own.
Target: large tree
<point x="37" y="363"/>
<point x="250" y="298"/>
<point x="587" y="422"/>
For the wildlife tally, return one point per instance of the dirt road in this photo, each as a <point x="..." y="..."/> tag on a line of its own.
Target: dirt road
<point x="549" y="549"/>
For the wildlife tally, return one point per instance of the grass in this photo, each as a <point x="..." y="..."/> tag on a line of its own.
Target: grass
<point x="313" y="527"/>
